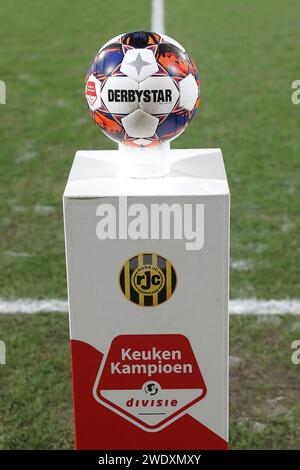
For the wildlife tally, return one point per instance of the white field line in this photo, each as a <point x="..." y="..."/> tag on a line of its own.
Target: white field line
<point x="33" y="306"/>
<point x="236" y="307"/>
<point x="158" y="16"/>
<point x="264" y="307"/>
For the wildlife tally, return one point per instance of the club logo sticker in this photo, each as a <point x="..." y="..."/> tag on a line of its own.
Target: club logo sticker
<point x="150" y="380"/>
<point x="148" y="279"/>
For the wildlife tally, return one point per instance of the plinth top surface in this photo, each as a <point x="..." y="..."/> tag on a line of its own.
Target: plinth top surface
<point x="96" y="173"/>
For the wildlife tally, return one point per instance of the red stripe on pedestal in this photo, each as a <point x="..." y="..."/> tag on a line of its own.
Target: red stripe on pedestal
<point x="98" y="428"/>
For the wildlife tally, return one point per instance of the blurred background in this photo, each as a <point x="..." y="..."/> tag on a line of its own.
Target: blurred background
<point x="247" y="56"/>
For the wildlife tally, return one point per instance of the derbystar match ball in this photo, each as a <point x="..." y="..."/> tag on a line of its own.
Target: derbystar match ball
<point x="142" y="89"/>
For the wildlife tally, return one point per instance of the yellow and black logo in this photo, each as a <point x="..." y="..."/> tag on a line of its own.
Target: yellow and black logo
<point x="148" y="279"/>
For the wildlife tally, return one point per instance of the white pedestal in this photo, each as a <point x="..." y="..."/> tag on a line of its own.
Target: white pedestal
<point x="147" y="263"/>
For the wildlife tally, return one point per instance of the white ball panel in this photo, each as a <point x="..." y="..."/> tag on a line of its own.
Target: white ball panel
<point x="142" y="142"/>
<point x="140" y="124"/>
<point x="115" y="39"/>
<point x="189" y="92"/>
<point x="172" y="41"/>
<point x="139" y="64"/>
<point x="163" y="92"/>
<point x="112" y="95"/>
<point x="92" y="92"/>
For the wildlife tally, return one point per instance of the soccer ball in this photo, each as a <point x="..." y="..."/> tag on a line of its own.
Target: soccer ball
<point x="142" y="89"/>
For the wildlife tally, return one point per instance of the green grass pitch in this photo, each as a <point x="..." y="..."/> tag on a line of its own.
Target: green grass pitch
<point x="247" y="55"/>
